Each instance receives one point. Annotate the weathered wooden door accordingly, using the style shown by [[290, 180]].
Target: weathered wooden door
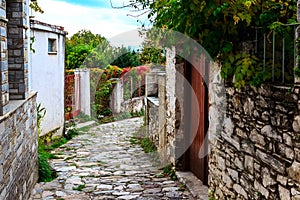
[[195, 163]]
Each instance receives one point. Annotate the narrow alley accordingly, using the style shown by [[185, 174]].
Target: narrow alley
[[103, 164]]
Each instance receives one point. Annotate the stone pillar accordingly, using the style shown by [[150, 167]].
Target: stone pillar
[[162, 109], [84, 90], [4, 61], [18, 23], [117, 97], [171, 102], [151, 85], [162, 145]]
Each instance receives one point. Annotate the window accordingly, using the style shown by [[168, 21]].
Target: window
[[52, 46]]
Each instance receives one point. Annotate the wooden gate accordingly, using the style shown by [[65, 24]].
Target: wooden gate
[[192, 161]]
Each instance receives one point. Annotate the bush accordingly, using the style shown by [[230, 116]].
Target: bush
[[101, 88], [45, 172]]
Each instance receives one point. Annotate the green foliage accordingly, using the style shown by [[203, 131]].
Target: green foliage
[[151, 55], [211, 195], [35, 6], [182, 187], [297, 71], [103, 82], [45, 145], [41, 112], [32, 40], [79, 188], [44, 170], [222, 26], [169, 170], [148, 145], [123, 115], [259, 195], [104, 86], [86, 48], [84, 118], [71, 133], [245, 68], [46, 174], [127, 58]]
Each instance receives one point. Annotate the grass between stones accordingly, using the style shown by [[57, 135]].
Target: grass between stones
[[121, 116], [79, 188], [169, 170], [45, 146], [211, 194], [147, 145]]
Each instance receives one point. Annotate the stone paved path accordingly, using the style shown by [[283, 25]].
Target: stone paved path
[[103, 164]]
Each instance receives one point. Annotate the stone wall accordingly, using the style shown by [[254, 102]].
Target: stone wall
[[167, 116], [18, 149], [4, 60], [151, 80], [84, 96], [133, 105], [17, 35], [255, 153], [152, 120]]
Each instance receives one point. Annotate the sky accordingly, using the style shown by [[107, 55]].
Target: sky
[[95, 15]]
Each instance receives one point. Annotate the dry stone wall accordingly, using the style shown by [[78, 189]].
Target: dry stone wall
[[152, 120], [18, 150], [255, 152]]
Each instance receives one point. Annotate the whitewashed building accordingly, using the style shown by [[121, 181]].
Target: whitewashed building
[[47, 71]]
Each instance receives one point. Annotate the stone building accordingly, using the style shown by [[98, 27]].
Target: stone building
[[18, 110]]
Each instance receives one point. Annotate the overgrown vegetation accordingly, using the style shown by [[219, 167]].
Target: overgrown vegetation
[[46, 144], [79, 188], [85, 49], [211, 195], [147, 145], [44, 170], [46, 174], [225, 28], [103, 83], [169, 170]]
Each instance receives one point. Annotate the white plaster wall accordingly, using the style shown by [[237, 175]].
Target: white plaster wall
[[47, 78], [84, 91]]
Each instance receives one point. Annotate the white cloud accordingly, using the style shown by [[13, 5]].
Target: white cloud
[[131, 39], [105, 21]]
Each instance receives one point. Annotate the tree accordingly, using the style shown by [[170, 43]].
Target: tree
[[86, 48], [222, 26], [127, 58], [151, 54], [86, 37], [35, 6]]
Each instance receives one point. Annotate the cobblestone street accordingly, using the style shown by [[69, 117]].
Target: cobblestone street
[[103, 164]]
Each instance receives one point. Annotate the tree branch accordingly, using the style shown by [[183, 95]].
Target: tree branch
[[123, 6], [140, 14]]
